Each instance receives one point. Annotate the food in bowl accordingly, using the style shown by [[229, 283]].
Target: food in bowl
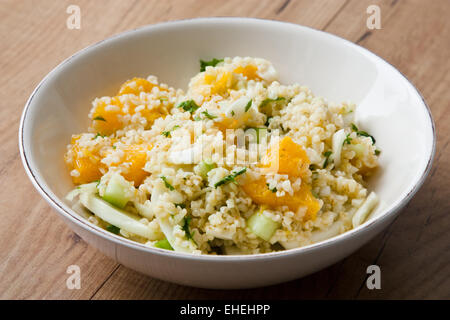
[[239, 164]]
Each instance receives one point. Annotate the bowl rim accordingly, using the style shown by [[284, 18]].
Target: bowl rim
[[70, 214]]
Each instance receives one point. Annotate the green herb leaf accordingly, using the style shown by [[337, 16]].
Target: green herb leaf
[[189, 105], [377, 151], [209, 116], [273, 190], [98, 135], [167, 133], [230, 178], [347, 140], [362, 133], [113, 229], [180, 205], [232, 113], [249, 105], [268, 100], [268, 121], [99, 118], [212, 63], [167, 184], [327, 158], [185, 227], [163, 244]]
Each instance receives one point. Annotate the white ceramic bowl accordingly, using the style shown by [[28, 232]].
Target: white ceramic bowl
[[389, 107]]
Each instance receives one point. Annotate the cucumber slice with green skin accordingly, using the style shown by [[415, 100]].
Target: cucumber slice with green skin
[[262, 226], [163, 244], [204, 167], [116, 191], [117, 217]]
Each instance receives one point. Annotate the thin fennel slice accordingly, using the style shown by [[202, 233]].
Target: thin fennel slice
[[337, 143], [363, 212], [168, 228], [84, 188], [117, 217]]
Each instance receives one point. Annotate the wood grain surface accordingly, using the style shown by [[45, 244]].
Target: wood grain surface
[[36, 247]]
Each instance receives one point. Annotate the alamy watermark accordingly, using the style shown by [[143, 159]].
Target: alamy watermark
[[74, 280], [374, 279], [74, 19], [374, 19]]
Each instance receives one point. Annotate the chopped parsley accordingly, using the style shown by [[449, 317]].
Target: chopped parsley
[[167, 133], [232, 113], [230, 178], [209, 116], [185, 228], [268, 121], [362, 133], [327, 158], [268, 100], [113, 229], [167, 184], [347, 140], [180, 205], [249, 105], [99, 118], [273, 189], [98, 135], [377, 151], [189, 106], [211, 63]]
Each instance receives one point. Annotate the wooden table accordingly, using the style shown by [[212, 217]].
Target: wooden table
[[37, 247]]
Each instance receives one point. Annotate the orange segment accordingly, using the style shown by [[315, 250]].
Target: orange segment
[[85, 161], [107, 117], [249, 71], [261, 194], [293, 161], [135, 157], [220, 83], [292, 158], [106, 120], [136, 86]]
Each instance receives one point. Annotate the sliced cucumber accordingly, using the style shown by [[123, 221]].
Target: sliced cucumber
[[204, 167], [262, 226], [163, 244], [117, 191], [117, 217]]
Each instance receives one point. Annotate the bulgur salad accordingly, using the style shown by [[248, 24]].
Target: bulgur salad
[[238, 164]]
